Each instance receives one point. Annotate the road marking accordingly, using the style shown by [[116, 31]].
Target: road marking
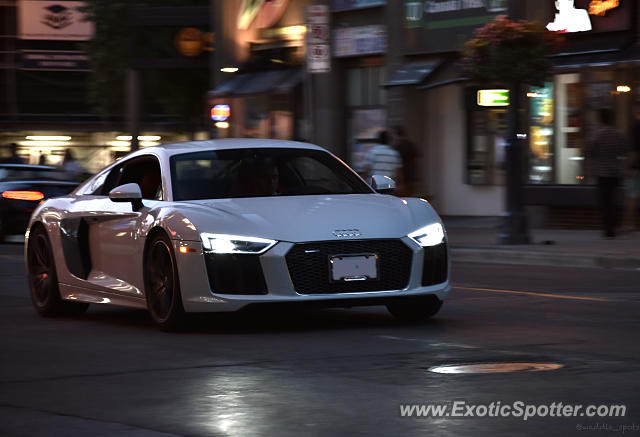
[[533, 293], [428, 342]]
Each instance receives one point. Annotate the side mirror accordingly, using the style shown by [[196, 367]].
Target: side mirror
[[127, 193], [383, 184]]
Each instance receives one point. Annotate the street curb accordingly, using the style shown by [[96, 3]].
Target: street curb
[[560, 259]]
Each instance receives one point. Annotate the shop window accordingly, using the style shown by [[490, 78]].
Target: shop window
[[541, 115], [364, 86], [570, 135], [486, 142], [365, 99]]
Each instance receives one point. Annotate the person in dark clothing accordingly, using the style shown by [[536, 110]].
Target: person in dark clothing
[[14, 158], [408, 153], [606, 152]]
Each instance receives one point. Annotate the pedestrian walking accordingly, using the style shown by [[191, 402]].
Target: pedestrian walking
[[632, 177], [606, 152], [71, 166], [408, 153], [13, 157], [384, 160]]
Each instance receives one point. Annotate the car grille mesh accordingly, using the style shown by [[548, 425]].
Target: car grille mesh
[[235, 274], [308, 265], [435, 265]]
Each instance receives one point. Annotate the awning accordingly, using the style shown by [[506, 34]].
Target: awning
[[608, 52], [450, 73], [264, 82], [413, 73]]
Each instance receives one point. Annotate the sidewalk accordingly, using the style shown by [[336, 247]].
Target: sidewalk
[[475, 239]]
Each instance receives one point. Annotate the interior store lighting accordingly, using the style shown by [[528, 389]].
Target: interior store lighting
[[140, 137], [48, 137], [44, 143]]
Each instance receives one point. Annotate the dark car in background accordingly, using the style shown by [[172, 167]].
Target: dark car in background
[[23, 186]]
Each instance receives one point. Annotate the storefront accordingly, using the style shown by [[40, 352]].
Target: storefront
[[45, 105], [462, 137], [459, 171], [359, 46], [597, 68], [260, 71]]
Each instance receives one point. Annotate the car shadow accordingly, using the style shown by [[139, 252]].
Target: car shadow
[[261, 321]]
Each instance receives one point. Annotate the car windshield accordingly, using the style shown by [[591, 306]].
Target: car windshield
[[261, 172]]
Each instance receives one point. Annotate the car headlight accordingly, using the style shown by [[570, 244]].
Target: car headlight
[[223, 243], [430, 235]]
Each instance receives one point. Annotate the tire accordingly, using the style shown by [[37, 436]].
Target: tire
[[415, 308], [43, 280], [162, 285]]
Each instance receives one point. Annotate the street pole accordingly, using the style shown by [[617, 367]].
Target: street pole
[[133, 106], [514, 228], [514, 219]]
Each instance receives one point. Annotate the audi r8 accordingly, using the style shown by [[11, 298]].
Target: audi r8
[[222, 225]]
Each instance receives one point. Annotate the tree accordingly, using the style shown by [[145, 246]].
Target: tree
[[176, 93], [507, 51], [511, 53]]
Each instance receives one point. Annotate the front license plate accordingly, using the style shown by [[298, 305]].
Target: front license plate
[[354, 268]]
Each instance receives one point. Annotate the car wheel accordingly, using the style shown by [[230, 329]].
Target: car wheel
[[162, 285], [43, 280], [415, 308]]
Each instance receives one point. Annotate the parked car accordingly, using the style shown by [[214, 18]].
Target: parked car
[[22, 188], [215, 226]]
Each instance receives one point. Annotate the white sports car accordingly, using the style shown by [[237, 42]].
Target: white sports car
[[220, 225]]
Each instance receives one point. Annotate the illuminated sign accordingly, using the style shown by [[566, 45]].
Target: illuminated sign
[[600, 7], [569, 19], [264, 13], [493, 97], [220, 112], [59, 20]]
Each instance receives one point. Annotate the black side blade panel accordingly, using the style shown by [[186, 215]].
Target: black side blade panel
[[74, 233]]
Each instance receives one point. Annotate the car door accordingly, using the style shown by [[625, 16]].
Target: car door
[[109, 232]]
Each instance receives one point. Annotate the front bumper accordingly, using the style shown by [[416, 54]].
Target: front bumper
[[197, 294]]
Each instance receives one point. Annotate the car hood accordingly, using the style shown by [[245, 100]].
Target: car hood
[[311, 218]]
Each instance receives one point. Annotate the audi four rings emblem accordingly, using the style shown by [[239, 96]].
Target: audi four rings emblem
[[341, 233]]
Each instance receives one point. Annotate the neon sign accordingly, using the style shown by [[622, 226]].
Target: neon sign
[[569, 19], [220, 112], [493, 97], [600, 7]]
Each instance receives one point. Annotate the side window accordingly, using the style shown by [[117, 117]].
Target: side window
[[111, 181], [95, 186], [144, 171]]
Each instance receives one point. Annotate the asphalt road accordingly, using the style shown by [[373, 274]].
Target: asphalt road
[[330, 372]]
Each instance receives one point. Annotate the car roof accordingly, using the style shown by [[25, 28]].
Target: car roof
[[168, 150]]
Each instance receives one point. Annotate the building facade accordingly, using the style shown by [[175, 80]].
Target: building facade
[[45, 104], [462, 141]]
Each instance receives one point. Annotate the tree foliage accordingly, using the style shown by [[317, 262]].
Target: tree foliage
[[176, 93], [507, 51], [109, 54]]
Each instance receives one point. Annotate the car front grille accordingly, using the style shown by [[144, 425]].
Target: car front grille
[[308, 265], [435, 265], [235, 274]]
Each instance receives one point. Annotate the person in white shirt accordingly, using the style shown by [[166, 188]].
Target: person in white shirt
[[383, 159]]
